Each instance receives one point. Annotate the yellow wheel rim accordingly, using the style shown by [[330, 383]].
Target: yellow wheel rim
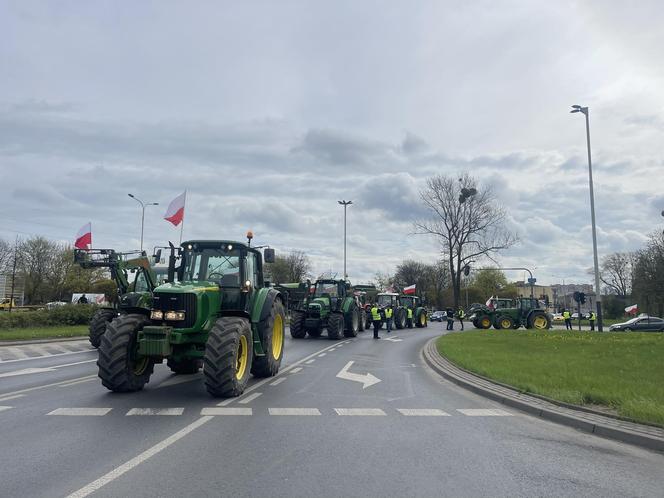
[[277, 337], [485, 323], [141, 365], [242, 358], [505, 324], [539, 322], [423, 319]]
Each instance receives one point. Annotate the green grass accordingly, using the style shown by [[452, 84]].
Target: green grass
[[623, 371], [52, 332]]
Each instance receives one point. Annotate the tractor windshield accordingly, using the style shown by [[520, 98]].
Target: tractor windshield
[[384, 300], [406, 301], [326, 288], [218, 265]]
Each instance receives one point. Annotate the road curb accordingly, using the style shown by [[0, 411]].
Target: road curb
[[628, 432], [42, 341]]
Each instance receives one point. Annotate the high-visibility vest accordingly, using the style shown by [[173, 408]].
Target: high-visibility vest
[[410, 312], [592, 316], [566, 315], [388, 313], [461, 313], [375, 314]]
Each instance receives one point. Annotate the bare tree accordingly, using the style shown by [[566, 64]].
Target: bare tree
[[293, 267], [467, 221], [6, 256], [616, 272]]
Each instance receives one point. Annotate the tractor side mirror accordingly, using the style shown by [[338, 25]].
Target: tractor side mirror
[[268, 255], [156, 258]]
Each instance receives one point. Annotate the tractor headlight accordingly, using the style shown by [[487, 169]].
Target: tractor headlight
[[156, 315], [175, 316]]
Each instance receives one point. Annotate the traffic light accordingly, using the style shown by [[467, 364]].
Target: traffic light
[[466, 270], [582, 297], [577, 296]]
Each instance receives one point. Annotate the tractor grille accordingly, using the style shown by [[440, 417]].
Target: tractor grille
[[177, 302]]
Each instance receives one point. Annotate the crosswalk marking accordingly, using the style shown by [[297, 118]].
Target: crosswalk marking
[[249, 398], [422, 412], [360, 412], [3, 408], [226, 411], [7, 398], [83, 412], [484, 412], [296, 370], [309, 362], [76, 382], [293, 411], [321, 355], [155, 411], [278, 381]]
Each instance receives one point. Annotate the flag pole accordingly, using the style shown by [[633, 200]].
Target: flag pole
[[183, 215]]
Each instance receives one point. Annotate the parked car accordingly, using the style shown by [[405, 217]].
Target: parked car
[[437, 316], [640, 324], [575, 316], [557, 317]]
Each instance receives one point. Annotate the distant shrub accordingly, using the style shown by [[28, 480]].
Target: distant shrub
[[71, 314]]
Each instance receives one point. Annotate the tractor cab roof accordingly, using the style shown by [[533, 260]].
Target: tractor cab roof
[[191, 244], [388, 294]]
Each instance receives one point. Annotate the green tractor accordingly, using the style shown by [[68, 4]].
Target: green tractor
[[522, 312], [330, 305], [391, 299], [219, 313], [135, 281], [420, 318]]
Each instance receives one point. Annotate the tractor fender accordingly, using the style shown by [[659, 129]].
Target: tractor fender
[[347, 304], [264, 304]]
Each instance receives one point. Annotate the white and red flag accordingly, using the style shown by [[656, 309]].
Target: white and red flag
[[175, 211], [410, 289], [632, 310], [84, 237], [489, 303]]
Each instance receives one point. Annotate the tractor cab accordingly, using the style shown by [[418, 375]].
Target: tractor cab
[[385, 299]]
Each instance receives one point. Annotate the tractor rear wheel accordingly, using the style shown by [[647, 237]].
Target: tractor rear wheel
[[368, 323], [273, 333], [98, 323], [228, 357], [187, 366], [352, 320], [335, 326], [121, 369], [297, 330], [538, 320], [484, 322], [400, 318], [505, 322], [363, 319], [421, 321]]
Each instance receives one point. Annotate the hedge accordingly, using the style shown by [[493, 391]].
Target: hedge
[[72, 314]]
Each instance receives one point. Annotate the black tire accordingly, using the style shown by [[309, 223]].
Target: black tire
[[400, 318], [484, 322], [225, 375], [421, 319], [273, 333], [476, 323], [335, 326], [187, 366], [297, 330], [120, 370], [539, 320], [369, 322], [98, 323], [504, 322], [352, 320], [363, 320]]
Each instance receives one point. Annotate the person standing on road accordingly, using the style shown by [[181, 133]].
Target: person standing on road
[[461, 315], [388, 318], [409, 317], [592, 319], [450, 318], [375, 317], [568, 320]]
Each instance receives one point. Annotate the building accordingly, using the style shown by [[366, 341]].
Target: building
[[558, 297], [6, 288]]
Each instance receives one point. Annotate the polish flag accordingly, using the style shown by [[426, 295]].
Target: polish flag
[[175, 211], [84, 237], [632, 310], [409, 290], [489, 303]]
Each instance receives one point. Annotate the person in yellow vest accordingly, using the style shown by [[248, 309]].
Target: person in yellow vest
[[409, 317], [461, 315], [376, 318], [592, 319], [388, 318], [568, 319]]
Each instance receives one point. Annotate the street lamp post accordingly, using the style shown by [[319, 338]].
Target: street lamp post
[[345, 204], [143, 206], [598, 292]]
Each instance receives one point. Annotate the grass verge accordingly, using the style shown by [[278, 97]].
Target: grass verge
[[623, 371], [53, 332]]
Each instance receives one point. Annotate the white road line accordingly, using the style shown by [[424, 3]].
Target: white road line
[[278, 381], [293, 411], [250, 398], [296, 370], [77, 382], [2, 362], [423, 412], [72, 364], [360, 412], [226, 411], [321, 355], [134, 462], [484, 412], [3, 396], [81, 412], [179, 379], [309, 362], [7, 398], [3, 408], [18, 352], [155, 411]]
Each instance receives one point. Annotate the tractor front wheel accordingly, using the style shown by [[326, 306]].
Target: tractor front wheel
[[538, 320], [297, 330], [421, 319], [273, 333], [188, 366], [98, 323], [228, 357], [335, 326], [121, 368], [484, 322], [505, 322], [400, 318]]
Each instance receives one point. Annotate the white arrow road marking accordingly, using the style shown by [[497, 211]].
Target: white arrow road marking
[[27, 371], [3, 408], [393, 339], [367, 379]]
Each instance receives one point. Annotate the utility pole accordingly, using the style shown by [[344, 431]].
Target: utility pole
[[11, 296], [143, 206], [345, 204]]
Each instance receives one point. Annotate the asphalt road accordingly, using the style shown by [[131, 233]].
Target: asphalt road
[[314, 430]]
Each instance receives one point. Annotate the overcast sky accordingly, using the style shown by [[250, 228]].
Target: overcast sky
[[270, 112]]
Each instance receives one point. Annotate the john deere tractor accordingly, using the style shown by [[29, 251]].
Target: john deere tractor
[[521, 312], [330, 305], [419, 312], [135, 281], [219, 313]]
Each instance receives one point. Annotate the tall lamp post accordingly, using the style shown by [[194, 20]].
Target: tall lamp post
[[598, 292], [345, 204], [143, 206]]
